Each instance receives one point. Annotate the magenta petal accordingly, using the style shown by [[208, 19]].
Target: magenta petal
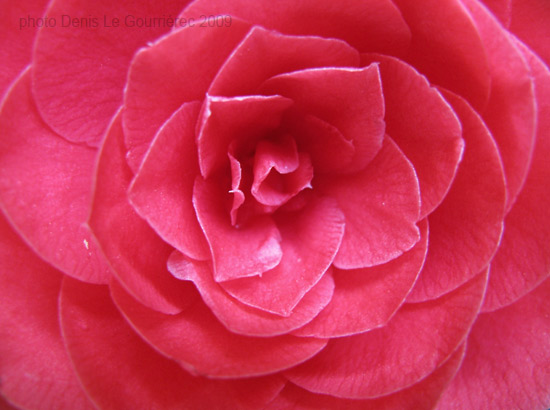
[[177, 69], [377, 24], [203, 346], [162, 190], [529, 22], [119, 370], [32, 346], [237, 251], [367, 298], [263, 54], [327, 92], [506, 363], [448, 49], [418, 339], [423, 395], [424, 126], [246, 320], [381, 205], [465, 229], [238, 120], [523, 258], [45, 188], [79, 70], [310, 239], [136, 253], [511, 112]]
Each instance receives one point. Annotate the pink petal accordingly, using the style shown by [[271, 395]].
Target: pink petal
[[523, 258], [79, 70], [448, 50], [203, 346], [238, 194], [367, 298], [238, 120], [506, 364], [120, 371], [465, 229], [423, 125], [418, 339], [162, 190], [263, 54], [423, 395], [502, 9], [237, 251], [348, 98], [310, 239], [35, 368], [242, 319], [529, 21], [511, 112], [177, 69], [18, 22], [365, 24], [381, 205], [45, 188], [135, 252]]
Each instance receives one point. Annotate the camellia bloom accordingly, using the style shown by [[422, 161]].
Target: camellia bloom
[[282, 205]]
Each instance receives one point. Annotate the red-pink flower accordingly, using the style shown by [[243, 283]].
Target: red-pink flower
[[290, 204]]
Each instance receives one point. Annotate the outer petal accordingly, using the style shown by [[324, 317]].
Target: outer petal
[[203, 346], [310, 240], [508, 359], [45, 188], [35, 370], [246, 320], [465, 229], [79, 69], [448, 50], [529, 21], [381, 205], [511, 112], [423, 125], [120, 371], [137, 255], [178, 68], [350, 99], [423, 395], [418, 339], [372, 25], [523, 257], [367, 298], [162, 191]]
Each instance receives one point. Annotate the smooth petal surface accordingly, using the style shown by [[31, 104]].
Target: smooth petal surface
[[237, 251], [203, 346], [418, 339], [465, 229], [529, 21], [135, 252], [162, 190], [523, 257], [381, 206], [511, 112], [119, 370], [45, 188], [448, 50], [35, 370], [79, 69], [176, 69], [327, 93], [424, 126], [507, 363], [265, 53], [310, 240], [246, 320], [367, 298], [423, 395], [378, 25]]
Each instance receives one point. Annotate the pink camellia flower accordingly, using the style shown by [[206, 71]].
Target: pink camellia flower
[[238, 204]]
